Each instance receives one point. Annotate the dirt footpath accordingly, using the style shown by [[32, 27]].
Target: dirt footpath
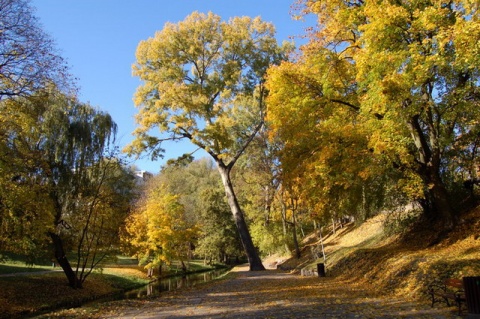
[[273, 294]]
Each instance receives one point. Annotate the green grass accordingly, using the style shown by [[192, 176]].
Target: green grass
[[122, 282], [13, 268], [124, 260]]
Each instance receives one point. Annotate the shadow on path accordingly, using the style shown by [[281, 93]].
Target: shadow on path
[[273, 294]]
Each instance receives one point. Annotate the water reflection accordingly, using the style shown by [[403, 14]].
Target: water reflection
[[173, 283]]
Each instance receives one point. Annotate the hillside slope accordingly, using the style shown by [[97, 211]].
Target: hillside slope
[[396, 264]]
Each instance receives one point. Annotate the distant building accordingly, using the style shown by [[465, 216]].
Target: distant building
[[142, 176]]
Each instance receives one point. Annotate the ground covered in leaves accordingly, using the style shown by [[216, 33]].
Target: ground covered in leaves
[[401, 264], [267, 294], [21, 295]]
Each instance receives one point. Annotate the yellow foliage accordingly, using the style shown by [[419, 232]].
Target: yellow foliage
[[380, 84], [195, 74], [158, 229]]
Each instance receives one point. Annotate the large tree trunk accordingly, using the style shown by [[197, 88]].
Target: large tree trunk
[[252, 255], [428, 159], [63, 261], [439, 196]]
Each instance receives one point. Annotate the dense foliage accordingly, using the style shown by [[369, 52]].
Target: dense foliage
[[182, 215], [64, 192], [203, 81], [385, 95], [378, 111]]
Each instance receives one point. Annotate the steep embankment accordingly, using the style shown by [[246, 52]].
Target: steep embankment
[[398, 264]]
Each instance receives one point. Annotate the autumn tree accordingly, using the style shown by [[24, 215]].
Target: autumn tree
[[61, 179], [203, 80], [159, 230], [326, 163], [28, 59], [406, 73], [199, 190], [26, 211]]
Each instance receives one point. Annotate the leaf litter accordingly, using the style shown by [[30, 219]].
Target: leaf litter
[[267, 294]]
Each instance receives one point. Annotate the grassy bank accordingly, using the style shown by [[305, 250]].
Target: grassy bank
[[401, 264], [24, 295], [34, 291]]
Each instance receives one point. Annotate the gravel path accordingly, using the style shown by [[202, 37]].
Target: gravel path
[[273, 294]]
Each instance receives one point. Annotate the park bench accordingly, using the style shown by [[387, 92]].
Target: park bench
[[450, 289]]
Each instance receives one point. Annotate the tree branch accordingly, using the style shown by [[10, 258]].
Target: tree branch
[[245, 145], [354, 107], [189, 136]]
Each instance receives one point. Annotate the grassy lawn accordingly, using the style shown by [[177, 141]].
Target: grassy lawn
[[13, 268], [12, 264]]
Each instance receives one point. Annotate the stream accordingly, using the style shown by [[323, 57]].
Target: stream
[[155, 288]]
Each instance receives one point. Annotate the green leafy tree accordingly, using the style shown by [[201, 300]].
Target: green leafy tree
[[57, 152], [257, 178], [77, 138], [203, 80], [218, 239], [201, 193]]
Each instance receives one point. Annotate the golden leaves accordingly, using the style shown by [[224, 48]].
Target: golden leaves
[[202, 81], [158, 229]]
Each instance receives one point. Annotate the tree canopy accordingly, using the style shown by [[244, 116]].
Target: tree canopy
[[401, 79], [203, 80], [61, 179], [28, 58]]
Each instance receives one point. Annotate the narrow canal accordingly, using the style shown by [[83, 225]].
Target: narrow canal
[[173, 283]]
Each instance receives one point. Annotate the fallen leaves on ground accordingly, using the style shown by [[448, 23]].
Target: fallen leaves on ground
[[21, 296], [268, 294]]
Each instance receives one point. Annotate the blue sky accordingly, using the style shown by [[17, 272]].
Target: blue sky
[[98, 38]]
